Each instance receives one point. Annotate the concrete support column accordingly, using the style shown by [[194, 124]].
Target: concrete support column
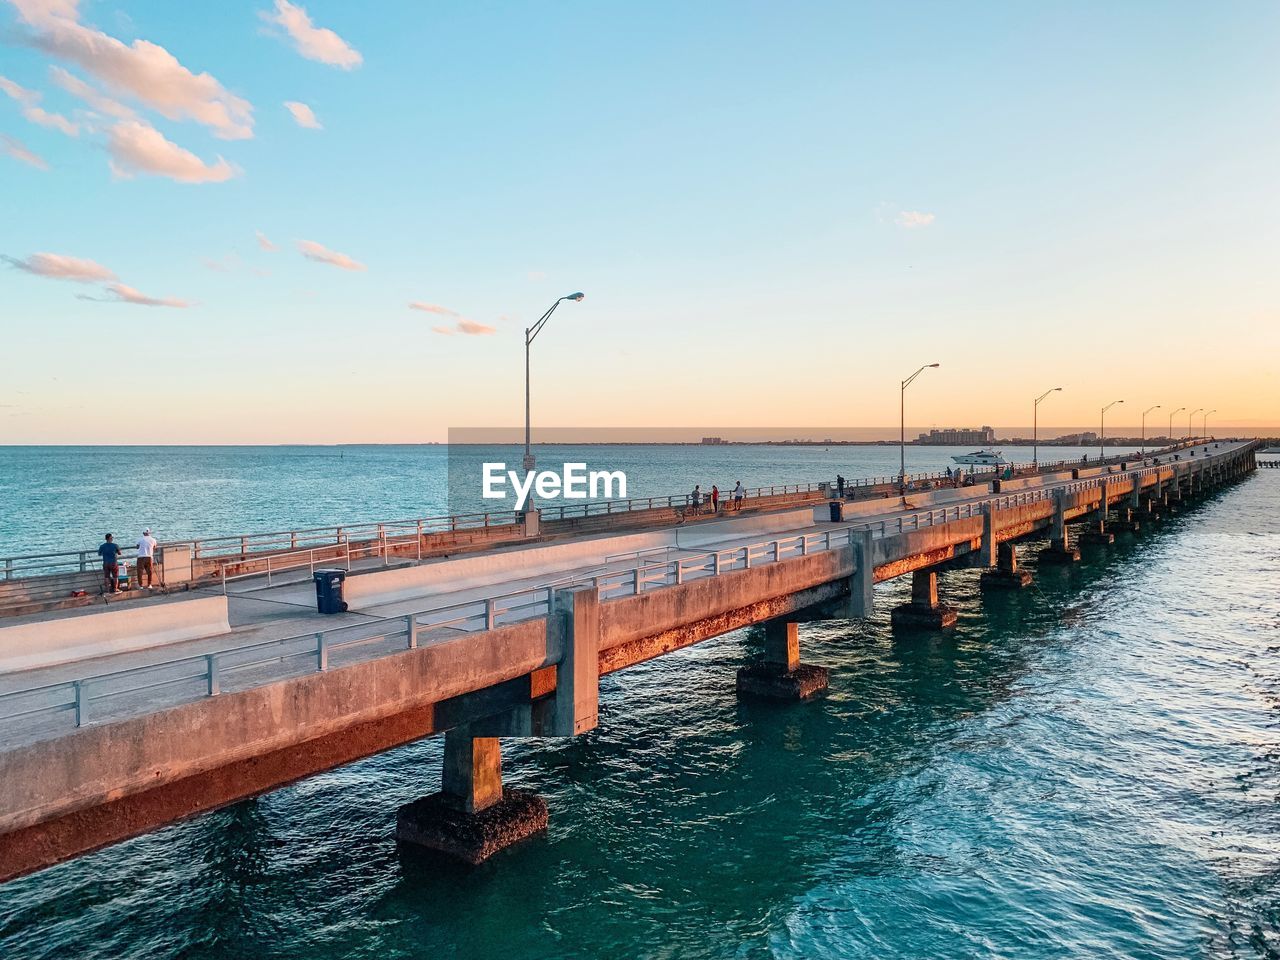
[[575, 707], [474, 815], [1006, 575], [924, 612], [862, 582], [780, 675], [1060, 548], [1097, 531], [987, 551]]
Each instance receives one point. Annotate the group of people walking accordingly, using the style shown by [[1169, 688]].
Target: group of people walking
[[697, 499], [144, 566]]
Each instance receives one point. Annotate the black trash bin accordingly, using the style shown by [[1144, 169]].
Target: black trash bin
[[329, 586], [837, 513]]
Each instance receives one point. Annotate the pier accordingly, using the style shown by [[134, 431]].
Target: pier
[[119, 719]]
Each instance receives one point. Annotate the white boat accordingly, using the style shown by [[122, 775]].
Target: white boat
[[984, 458]]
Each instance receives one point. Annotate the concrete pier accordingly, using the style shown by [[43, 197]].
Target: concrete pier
[[1005, 575], [924, 612], [780, 675], [492, 643], [473, 816]]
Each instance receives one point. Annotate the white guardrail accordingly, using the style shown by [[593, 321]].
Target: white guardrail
[[74, 703]]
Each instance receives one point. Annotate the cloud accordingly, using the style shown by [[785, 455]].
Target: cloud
[[225, 264], [433, 308], [467, 327], [59, 267], [18, 92], [263, 242], [96, 99], [320, 254], [911, 219], [36, 114], [314, 43], [142, 69], [18, 150], [137, 147], [303, 115], [119, 293]]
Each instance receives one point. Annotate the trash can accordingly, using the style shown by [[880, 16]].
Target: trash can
[[329, 586], [837, 511]]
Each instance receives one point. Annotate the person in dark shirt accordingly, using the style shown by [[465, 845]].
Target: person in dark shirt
[[110, 553]]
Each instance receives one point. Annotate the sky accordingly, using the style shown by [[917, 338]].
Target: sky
[[269, 222]]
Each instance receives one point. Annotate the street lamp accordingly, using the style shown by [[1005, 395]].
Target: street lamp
[[902, 425], [1102, 434], [1144, 428], [530, 334], [1189, 416], [1204, 424], [1171, 416], [1035, 426]]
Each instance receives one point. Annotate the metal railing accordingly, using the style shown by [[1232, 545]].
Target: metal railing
[[191, 678]]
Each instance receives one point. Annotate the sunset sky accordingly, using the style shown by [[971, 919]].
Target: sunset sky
[[329, 222]]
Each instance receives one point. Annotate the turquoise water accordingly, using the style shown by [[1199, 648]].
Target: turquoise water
[[1087, 769]]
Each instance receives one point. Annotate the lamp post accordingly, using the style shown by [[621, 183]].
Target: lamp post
[[902, 425], [1204, 424], [1189, 417], [1035, 427], [1144, 428], [1171, 416], [530, 334], [1102, 430]]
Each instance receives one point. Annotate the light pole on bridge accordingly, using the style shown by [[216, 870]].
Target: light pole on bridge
[[530, 334], [1204, 424], [1035, 427], [902, 425], [1144, 428], [1189, 418], [1171, 416], [1102, 430]]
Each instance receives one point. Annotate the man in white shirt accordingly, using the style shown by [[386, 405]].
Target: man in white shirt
[[146, 551]]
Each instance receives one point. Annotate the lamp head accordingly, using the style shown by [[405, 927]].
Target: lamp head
[[575, 297], [935, 365]]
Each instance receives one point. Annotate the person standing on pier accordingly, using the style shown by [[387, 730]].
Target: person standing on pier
[[146, 551], [695, 499], [715, 499], [840, 485], [738, 494], [110, 553]]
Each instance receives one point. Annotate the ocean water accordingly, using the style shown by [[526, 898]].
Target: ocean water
[[65, 498], [1089, 768]]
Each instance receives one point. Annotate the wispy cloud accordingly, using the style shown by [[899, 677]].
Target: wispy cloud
[[18, 150], [466, 327], [303, 115], [119, 293], [142, 69], [29, 99], [96, 99], [432, 308], [137, 147], [913, 219], [57, 266], [222, 264], [321, 254], [314, 43], [263, 242]]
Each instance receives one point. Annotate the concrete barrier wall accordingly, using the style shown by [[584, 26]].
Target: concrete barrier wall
[[387, 586], [133, 627]]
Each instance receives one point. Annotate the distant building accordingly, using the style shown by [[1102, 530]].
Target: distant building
[[712, 441], [959, 437]]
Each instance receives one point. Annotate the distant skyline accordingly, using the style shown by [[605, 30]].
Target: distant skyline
[[317, 222]]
